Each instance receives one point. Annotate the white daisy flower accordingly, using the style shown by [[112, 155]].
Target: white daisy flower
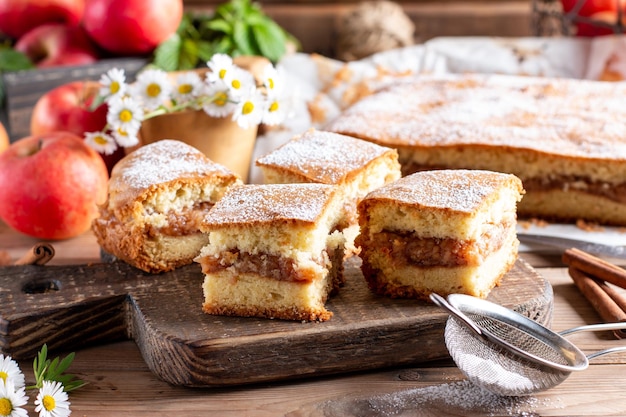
[[52, 401], [101, 142], [272, 80], [249, 111], [125, 113], [12, 400], [10, 371], [188, 87], [153, 88], [219, 103], [275, 111], [113, 83], [220, 66], [125, 138], [240, 81]]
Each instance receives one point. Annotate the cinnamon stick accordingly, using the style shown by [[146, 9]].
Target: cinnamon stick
[[5, 259], [618, 298], [595, 292], [39, 254], [594, 266]]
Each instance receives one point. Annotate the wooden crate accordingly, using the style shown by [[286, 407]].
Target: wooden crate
[[24, 88]]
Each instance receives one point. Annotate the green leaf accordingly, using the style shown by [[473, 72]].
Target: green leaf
[[167, 54], [60, 367], [187, 26], [205, 51], [270, 40], [70, 382], [47, 370], [189, 56], [51, 370], [39, 364], [241, 36], [73, 385], [12, 60], [96, 102], [226, 11], [238, 7], [220, 25], [256, 19], [251, 9], [224, 46], [236, 27]]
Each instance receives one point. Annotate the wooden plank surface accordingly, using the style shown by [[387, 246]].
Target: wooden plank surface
[[120, 383], [90, 304]]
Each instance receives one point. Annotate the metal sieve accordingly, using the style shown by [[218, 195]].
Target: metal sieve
[[507, 353]]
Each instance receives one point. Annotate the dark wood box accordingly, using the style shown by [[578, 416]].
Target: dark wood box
[[24, 88]]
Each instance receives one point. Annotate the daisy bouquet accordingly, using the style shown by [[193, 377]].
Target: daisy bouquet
[[225, 90], [51, 382]]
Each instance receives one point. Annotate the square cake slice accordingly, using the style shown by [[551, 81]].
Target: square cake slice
[[274, 251], [445, 231], [157, 197], [354, 165]]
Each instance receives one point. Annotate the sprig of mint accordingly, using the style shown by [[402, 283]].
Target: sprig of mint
[[53, 370], [236, 28]]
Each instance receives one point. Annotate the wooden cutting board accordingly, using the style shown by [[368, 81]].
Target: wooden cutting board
[[69, 307]]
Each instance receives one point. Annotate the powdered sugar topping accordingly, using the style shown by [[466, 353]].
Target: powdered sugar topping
[[459, 190], [164, 161], [461, 398], [262, 203], [559, 116], [323, 156]]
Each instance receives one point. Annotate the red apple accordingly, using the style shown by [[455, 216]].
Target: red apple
[[131, 27], [588, 7], [68, 107], [608, 17], [56, 44], [597, 10], [51, 185], [20, 16]]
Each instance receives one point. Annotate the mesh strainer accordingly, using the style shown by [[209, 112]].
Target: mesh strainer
[[508, 353]]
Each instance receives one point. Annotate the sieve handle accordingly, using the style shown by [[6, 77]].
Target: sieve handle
[[607, 351], [443, 303], [595, 327]]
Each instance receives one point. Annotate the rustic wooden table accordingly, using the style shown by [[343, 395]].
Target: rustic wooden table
[[120, 383]]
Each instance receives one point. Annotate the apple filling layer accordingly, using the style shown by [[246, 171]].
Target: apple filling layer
[[614, 192], [268, 265], [408, 249], [182, 222]]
